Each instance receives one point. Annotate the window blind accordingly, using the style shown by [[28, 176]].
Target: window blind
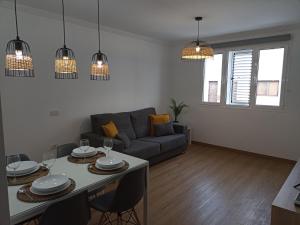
[[241, 76]]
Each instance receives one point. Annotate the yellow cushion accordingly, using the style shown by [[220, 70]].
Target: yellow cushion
[[158, 119], [110, 129]]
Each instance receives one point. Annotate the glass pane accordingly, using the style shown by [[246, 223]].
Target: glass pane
[[269, 77], [212, 79]]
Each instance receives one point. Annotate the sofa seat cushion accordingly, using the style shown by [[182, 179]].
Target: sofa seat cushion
[[143, 149], [141, 122], [122, 121], [167, 143]]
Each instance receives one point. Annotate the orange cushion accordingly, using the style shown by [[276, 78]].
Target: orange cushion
[[158, 119], [110, 129]]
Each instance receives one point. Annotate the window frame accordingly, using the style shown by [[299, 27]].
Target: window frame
[[254, 74]]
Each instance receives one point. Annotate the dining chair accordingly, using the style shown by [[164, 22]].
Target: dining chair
[[23, 157], [123, 200], [65, 149], [71, 211]]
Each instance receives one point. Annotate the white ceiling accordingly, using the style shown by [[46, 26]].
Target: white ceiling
[[173, 19]]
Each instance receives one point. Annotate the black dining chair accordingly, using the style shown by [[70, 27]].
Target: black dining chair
[[23, 157], [65, 149], [72, 211], [123, 200]]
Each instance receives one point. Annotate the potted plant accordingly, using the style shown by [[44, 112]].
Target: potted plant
[[177, 108]]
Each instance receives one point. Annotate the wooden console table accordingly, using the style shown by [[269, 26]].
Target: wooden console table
[[284, 212]]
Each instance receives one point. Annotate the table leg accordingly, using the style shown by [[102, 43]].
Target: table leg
[[146, 198]]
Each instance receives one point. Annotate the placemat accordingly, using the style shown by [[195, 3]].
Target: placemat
[[27, 196], [85, 160], [43, 171], [93, 169]]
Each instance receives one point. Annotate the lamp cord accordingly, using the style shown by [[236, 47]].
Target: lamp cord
[[64, 26], [99, 38], [16, 17], [198, 31]]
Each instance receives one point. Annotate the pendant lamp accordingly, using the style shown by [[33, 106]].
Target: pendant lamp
[[197, 49], [18, 60], [65, 62], [99, 66]]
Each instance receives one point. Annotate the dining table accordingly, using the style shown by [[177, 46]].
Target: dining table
[[23, 211]]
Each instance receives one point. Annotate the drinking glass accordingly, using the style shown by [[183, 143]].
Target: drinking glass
[[49, 158], [84, 144], [13, 162], [108, 145]]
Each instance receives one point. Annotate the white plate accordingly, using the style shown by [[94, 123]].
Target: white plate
[[112, 168], [82, 153], [24, 174], [84, 156], [25, 167], [108, 162], [51, 192], [50, 183]]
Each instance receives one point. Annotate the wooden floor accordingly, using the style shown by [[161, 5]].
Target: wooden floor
[[214, 186]]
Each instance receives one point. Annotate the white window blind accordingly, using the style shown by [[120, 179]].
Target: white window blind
[[241, 69]]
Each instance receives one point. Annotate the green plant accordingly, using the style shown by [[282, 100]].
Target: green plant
[[177, 108]]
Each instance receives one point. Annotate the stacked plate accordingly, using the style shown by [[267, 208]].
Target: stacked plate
[[109, 163], [24, 168], [84, 152], [49, 185]]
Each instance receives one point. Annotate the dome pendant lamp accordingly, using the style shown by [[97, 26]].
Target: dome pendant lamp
[[65, 62], [99, 66], [18, 60], [197, 50]]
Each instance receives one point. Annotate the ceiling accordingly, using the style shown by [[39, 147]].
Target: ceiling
[[172, 20]]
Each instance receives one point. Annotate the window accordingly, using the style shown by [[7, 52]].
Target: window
[[254, 76], [269, 76], [212, 79], [239, 71]]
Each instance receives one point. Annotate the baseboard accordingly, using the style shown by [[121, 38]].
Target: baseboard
[[242, 151]]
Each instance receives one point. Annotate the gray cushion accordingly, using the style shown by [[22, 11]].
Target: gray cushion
[[163, 129], [169, 142], [140, 121], [124, 138], [144, 150], [122, 121]]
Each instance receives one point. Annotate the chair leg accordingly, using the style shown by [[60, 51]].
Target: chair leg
[[101, 218], [136, 216]]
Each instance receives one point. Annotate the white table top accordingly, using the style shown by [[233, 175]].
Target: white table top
[[20, 211]]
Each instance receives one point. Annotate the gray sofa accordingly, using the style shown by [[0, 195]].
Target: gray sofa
[[136, 125]]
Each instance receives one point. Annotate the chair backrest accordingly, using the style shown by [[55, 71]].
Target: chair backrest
[[71, 211], [130, 191], [23, 157], [65, 149]]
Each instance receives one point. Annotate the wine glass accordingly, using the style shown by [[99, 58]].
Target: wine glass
[[84, 145], [13, 162], [49, 158], [108, 145]]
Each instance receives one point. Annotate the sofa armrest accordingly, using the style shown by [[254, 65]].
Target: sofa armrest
[[180, 128], [96, 141]]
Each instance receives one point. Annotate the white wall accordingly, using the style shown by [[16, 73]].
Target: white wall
[[138, 79], [270, 132]]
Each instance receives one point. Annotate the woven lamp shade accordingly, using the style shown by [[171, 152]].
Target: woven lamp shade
[[65, 64], [18, 60], [197, 50], [99, 67]]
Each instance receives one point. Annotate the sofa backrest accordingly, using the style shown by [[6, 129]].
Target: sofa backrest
[[122, 121], [141, 122]]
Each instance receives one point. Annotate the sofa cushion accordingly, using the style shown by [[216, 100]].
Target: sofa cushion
[[143, 149], [110, 129], [124, 138], [163, 129], [122, 121], [167, 143], [141, 122]]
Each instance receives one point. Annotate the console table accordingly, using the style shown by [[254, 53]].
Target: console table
[[284, 212]]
